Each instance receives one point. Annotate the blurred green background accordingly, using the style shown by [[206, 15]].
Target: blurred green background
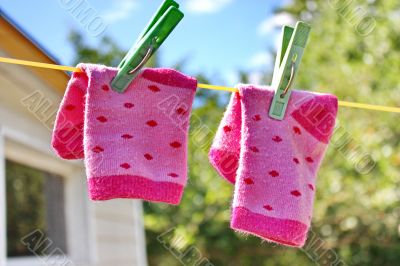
[[354, 52]]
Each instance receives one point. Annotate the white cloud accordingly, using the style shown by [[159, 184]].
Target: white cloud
[[256, 78], [287, 2], [231, 77], [120, 10], [276, 21], [206, 6], [260, 60], [277, 39]]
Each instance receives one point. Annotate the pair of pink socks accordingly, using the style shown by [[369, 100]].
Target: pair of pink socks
[[135, 146], [273, 164], [135, 143]]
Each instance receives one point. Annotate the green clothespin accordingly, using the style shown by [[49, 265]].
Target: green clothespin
[[287, 33], [156, 32], [287, 63]]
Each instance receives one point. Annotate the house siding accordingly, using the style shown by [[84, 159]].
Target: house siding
[[116, 231]]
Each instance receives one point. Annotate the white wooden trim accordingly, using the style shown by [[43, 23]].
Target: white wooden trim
[[3, 206], [38, 261], [91, 231], [24, 154], [140, 238], [78, 229], [24, 261], [21, 146]]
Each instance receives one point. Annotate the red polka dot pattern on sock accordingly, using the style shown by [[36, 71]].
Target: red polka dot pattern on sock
[[268, 207], [105, 87], [277, 139], [152, 123], [227, 129], [126, 136], [256, 118], [148, 156], [295, 193], [309, 160], [180, 111], [175, 144], [154, 88], [97, 149], [254, 149], [125, 165], [273, 173], [249, 181], [129, 105], [297, 130], [102, 119]]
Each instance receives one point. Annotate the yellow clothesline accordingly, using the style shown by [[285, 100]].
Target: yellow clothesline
[[203, 86]]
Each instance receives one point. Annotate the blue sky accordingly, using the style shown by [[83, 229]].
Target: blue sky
[[216, 37]]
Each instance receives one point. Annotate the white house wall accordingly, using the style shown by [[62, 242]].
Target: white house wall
[[3, 231], [116, 233]]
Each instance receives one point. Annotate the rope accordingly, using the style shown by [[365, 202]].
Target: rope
[[202, 86]]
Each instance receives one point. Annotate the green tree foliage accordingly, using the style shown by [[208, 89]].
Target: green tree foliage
[[357, 211], [106, 53], [354, 53]]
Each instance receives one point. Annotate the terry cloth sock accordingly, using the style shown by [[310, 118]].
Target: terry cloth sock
[[134, 143], [225, 150], [278, 161]]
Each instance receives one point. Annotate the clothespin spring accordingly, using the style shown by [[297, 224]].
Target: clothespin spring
[[291, 79], [145, 58]]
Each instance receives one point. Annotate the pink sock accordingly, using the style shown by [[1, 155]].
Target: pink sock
[[279, 160], [135, 143], [225, 150]]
